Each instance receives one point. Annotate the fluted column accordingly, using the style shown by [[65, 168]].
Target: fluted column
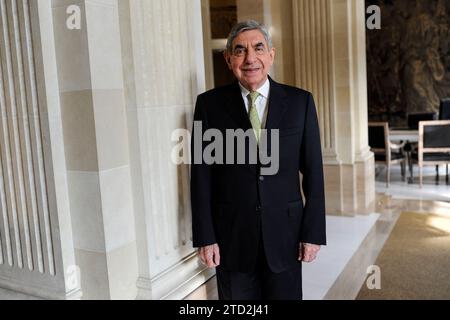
[[164, 71], [36, 248], [315, 66], [330, 62]]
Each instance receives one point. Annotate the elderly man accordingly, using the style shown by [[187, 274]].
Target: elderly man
[[255, 229]]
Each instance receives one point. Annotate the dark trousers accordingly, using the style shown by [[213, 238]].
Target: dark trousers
[[260, 284]]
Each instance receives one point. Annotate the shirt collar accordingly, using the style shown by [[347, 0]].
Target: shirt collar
[[263, 90]]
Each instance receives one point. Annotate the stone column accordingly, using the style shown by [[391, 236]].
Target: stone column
[[282, 33], [330, 62], [36, 247], [364, 159], [97, 150], [162, 47]]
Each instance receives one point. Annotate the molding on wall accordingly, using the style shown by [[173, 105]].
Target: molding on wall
[[37, 291], [175, 283]]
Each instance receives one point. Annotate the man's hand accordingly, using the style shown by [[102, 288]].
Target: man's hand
[[308, 252], [210, 255]]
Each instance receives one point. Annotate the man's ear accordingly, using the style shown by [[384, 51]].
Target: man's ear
[[227, 58]]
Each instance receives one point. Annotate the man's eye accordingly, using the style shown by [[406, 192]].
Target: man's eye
[[259, 49], [239, 51]]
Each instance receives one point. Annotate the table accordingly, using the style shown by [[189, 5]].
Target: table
[[404, 135]]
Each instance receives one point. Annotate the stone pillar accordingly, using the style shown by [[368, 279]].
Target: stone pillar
[[283, 41], [162, 49], [97, 150], [364, 158], [36, 247], [330, 62]]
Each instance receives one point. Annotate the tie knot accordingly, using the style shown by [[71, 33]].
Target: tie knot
[[253, 96]]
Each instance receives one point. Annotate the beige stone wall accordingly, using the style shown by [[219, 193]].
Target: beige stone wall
[[164, 73], [97, 151], [128, 78]]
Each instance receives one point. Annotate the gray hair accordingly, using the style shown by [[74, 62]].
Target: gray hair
[[247, 26]]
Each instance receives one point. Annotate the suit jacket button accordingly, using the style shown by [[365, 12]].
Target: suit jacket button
[[261, 178]]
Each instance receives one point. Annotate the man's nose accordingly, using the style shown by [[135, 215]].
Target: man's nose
[[250, 57]]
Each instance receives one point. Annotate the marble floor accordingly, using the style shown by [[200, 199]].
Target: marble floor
[[390, 203], [345, 236], [399, 189]]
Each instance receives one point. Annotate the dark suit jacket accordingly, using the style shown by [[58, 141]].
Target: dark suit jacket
[[232, 203]]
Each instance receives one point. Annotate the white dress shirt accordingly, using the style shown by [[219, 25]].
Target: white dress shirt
[[261, 102]]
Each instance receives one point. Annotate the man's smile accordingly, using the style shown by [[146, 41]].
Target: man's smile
[[250, 71]]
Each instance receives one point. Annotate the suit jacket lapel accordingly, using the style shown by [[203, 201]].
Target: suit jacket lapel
[[236, 108], [277, 105]]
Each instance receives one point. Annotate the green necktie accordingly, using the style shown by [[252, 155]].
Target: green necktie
[[253, 114]]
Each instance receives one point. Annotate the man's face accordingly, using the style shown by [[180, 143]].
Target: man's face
[[250, 59]]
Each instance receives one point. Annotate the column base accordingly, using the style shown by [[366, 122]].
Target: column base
[[350, 188], [176, 283], [14, 290], [365, 170]]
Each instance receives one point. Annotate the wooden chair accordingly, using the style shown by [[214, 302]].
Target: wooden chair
[[386, 152], [413, 124], [434, 145]]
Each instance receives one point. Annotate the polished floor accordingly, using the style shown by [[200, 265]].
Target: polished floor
[[345, 237], [434, 190]]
